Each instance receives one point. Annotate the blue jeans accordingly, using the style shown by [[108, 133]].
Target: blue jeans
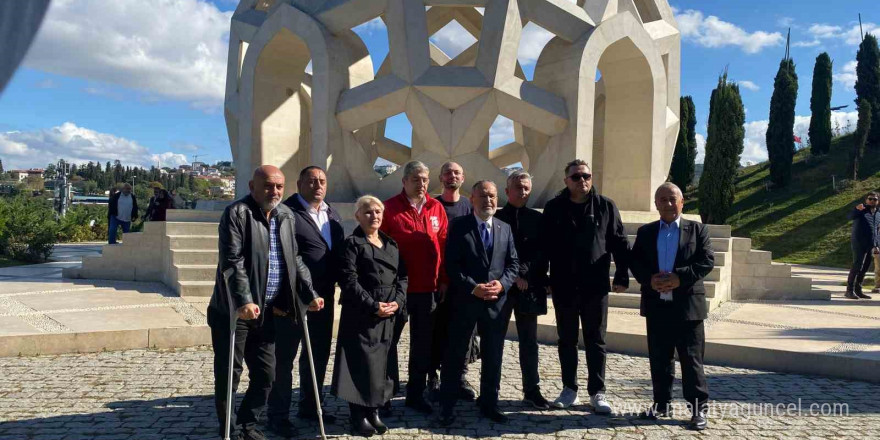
[[114, 224]]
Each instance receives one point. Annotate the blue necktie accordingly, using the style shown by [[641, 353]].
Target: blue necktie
[[487, 243]]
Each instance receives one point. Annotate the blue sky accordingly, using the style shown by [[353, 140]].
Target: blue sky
[[103, 81]]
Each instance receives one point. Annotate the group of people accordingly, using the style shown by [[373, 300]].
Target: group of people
[[122, 208], [455, 269]]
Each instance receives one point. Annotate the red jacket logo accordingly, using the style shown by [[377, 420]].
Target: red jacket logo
[[435, 223]]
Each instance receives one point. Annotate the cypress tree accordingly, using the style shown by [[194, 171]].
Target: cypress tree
[[820, 106], [692, 137], [780, 131], [678, 172], [863, 131], [724, 145], [868, 84], [1, 166]]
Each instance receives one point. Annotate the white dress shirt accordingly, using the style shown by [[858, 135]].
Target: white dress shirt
[[320, 217]]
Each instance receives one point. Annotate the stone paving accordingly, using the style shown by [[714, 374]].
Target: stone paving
[[151, 394]]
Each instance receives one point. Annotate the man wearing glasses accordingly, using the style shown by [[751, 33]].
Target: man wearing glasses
[[865, 243], [581, 230]]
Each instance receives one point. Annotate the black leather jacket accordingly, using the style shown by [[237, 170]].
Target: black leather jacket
[[243, 267]]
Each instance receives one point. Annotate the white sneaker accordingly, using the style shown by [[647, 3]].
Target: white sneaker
[[599, 404], [567, 398]]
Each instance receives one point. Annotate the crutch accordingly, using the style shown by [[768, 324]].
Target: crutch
[[233, 323], [305, 324]]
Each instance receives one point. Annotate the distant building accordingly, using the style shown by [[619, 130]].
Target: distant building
[[22, 175], [510, 170], [385, 170]]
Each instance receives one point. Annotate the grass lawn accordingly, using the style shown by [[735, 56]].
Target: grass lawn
[[806, 222]]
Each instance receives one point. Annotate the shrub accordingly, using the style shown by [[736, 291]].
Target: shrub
[[29, 230]]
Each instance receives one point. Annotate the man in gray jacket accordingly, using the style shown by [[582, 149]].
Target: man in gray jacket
[[259, 271]]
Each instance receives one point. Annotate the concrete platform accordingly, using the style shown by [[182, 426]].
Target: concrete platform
[[42, 313]]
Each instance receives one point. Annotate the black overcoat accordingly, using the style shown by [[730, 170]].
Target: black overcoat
[[369, 275]]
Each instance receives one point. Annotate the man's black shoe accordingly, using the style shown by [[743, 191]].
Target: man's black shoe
[[536, 399], [418, 403], [252, 434], [313, 416], [655, 412], [494, 414], [862, 295], [850, 295], [433, 389], [373, 418], [447, 417], [385, 410], [466, 392], [282, 427], [698, 422]]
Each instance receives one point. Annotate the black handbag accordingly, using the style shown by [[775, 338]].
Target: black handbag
[[532, 302]]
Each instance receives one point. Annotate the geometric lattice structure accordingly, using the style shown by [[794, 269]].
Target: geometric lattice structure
[[605, 89]]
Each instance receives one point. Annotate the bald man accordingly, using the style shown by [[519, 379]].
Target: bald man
[[669, 259], [260, 280]]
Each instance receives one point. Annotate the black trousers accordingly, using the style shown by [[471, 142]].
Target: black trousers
[[527, 334], [288, 338], [591, 312], [420, 309], [470, 312], [254, 344], [442, 317], [665, 337], [861, 262]]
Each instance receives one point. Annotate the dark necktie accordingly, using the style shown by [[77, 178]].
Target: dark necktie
[[487, 242]]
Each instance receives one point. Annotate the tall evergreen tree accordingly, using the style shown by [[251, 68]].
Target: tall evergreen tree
[[724, 145], [780, 131], [868, 84], [1, 166], [679, 172], [820, 106], [692, 137], [863, 132]]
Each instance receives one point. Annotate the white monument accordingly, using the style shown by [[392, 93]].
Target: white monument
[[605, 89]]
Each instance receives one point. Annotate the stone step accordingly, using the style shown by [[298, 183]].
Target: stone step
[[191, 228], [715, 231], [194, 241], [195, 288], [633, 301], [194, 256], [718, 244], [714, 275], [777, 288], [195, 272], [741, 244], [636, 288], [765, 270], [193, 215]]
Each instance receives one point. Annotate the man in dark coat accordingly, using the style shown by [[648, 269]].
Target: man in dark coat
[[481, 263], [670, 258], [318, 231], [865, 242], [259, 270], [581, 230], [123, 217], [528, 297]]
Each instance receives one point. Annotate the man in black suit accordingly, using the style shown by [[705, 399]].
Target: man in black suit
[[482, 266], [670, 258], [865, 243], [318, 232]]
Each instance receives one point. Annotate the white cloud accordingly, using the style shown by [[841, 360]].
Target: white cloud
[[501, 132], [748, 85], [785, 22], [27, 149], [453, 39], [171, 49], [532, 42], [713, 32], [811, 43], [755, 143], [847, 76], [701, 148], [852, 35], [824, 30], [375, 25]]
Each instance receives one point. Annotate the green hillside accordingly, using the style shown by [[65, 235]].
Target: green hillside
[[805, 223]]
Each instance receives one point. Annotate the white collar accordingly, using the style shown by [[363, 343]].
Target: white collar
[[481, 221], [305, 204]]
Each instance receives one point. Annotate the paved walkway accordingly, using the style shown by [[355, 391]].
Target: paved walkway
[[143, 394]]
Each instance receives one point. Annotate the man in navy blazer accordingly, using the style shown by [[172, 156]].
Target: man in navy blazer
[[669, 259], [482, 265], [318, 233]]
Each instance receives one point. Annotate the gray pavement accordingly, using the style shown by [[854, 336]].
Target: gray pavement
[[152, 394]]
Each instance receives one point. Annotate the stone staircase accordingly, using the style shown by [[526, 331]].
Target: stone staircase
[[182, 254]]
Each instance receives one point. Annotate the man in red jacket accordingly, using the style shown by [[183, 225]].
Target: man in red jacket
[[418, 224]]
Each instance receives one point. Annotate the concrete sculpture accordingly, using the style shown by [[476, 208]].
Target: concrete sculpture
[[605, 89]]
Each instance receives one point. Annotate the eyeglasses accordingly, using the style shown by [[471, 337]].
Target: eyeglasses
[[579, 177], [873, 199]]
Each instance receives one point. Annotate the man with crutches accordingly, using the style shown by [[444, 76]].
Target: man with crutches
[[259, 271]]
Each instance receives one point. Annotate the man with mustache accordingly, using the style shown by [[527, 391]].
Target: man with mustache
[[482, 265], [318, 232], [259, 270]]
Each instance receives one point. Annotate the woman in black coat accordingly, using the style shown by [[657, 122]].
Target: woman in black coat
[[373, 284]]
